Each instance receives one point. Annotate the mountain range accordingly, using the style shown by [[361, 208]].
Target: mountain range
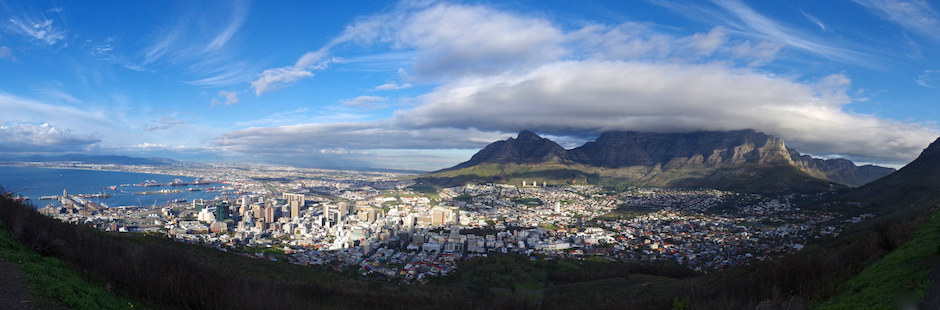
[[95, 159], [743, 160]]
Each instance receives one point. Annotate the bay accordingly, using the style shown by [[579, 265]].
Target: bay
[[36, 182]]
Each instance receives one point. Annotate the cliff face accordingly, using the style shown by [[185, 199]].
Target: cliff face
[[839, 170], [626, 149], [676, 153]]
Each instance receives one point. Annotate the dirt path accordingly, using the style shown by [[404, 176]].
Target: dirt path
[[14, 292]]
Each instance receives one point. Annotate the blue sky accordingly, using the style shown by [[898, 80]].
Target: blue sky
[[425, 84]]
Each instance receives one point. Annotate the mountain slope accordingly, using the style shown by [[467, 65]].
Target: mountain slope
[[741, 160], [527, 148], [915, 186]]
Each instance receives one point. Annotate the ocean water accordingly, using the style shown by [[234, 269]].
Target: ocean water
[[38, 182]]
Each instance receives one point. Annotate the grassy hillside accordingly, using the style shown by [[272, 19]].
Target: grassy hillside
[[898, 280], [52, 279]]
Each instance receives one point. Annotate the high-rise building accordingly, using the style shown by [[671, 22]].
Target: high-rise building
[[343, 208], [296, 203], [257, 210], [269, 214], [295, 208], [221, 211]]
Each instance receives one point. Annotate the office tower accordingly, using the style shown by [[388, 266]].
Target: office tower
[[269, 214], [343, 208], [221, 211], [295, 207]]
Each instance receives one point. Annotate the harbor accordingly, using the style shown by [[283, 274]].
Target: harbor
[[108, 189]]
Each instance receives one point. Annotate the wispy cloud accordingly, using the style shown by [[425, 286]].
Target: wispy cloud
[[814, 20], [237, 18], [6, 53], [914, 15], [745, 21], [365, 102], [392, 86], [188, 41], [165, 123], [25, 110], [36, 28], [925, 79]]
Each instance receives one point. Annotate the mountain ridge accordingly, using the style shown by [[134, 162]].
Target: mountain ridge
[[661, 159]]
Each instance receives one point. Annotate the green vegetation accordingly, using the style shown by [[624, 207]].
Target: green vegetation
[[567, 283], [53, 279], [899, 277], [627, 211]]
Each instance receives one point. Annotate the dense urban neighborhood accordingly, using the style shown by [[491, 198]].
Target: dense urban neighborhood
[[381, 224]]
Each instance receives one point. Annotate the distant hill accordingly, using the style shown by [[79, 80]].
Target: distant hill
[[96, 159], [743, 160]]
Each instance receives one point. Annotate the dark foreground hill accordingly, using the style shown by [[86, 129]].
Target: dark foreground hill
[[912, 188], [742, 160]]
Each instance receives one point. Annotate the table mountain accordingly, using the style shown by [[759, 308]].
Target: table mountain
[[741, 160]]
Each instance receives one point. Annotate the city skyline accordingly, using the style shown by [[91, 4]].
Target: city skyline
[[423, 85]]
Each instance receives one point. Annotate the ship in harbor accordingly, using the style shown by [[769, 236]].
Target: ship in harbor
[[199, 181], [178, 182], [149, 183]]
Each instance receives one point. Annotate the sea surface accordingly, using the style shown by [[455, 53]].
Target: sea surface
[[37, 182]]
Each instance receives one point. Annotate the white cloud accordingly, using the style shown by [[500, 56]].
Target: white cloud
[[497, 73], [573, 97], [29, 138], [37, 28], [296, 139], [814, 20], [230, 97], [272, 79], [392, 86], [465, 40], [914, 15]]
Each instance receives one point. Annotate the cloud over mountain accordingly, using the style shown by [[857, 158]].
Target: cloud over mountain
[[499, 72]]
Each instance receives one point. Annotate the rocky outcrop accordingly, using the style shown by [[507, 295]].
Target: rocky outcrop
[[839, 170]]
